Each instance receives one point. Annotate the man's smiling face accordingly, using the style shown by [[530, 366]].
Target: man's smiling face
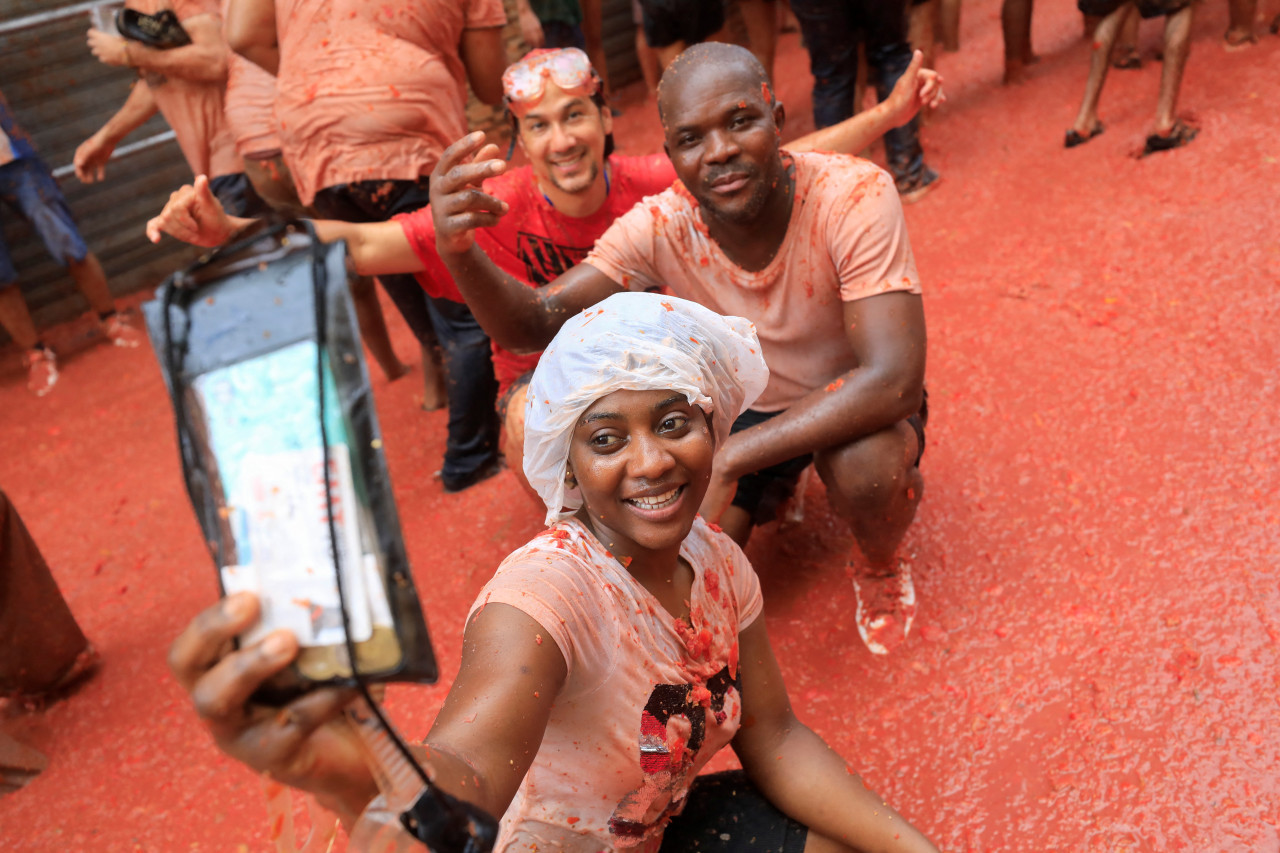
[[722, 129], [564, 136]]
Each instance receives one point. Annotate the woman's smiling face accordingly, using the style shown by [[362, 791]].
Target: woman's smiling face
[[642, 461]]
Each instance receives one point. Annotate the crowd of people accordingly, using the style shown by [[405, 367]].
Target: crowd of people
[[658, 348]]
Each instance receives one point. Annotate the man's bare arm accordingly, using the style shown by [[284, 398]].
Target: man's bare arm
[[194, 215], [92, 155], [887, 332], [204, 60], [251, 32], [918, 87], [516, 316]]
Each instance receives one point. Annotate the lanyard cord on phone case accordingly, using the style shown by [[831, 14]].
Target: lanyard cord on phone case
[[432, 816]]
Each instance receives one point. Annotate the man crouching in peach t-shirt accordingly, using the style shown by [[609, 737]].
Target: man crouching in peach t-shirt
[[812, 248]]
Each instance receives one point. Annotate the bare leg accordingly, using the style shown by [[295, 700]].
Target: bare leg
[[668, 54], [874, 485], [949, 24], [1242, 16], [92, 282], [15, 317], [593, 35], [761, 21], [924, 22], [1104, 38], [787, 22], [648, 58], [1015, 24], [373, 327], [435, 393], [1125, 53], [1177, 47]]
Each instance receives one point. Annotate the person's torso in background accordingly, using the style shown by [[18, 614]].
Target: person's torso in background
[[372, 90], [193, 108]]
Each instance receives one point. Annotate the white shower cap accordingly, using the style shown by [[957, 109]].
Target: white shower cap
[[635, 342]]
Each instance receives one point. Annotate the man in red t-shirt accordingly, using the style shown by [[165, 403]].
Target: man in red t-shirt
[[558, 206]]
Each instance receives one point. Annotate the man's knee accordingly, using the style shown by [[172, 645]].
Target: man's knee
[[873, 472], [514, 421]]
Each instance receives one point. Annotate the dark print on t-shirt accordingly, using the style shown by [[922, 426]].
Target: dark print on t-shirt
[[673, 727], [544, 261]]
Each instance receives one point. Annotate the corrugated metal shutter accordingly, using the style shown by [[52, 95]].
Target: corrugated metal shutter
[[61, 95]]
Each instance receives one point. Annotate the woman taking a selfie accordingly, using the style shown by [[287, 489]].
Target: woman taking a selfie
[[613, 655]]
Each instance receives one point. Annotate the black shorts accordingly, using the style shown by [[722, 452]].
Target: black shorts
[[763, 493], [1146, 8], [504, 400], [690, 21], [725, 813], [237, 196]]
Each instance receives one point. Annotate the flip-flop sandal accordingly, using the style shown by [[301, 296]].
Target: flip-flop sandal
[[1179, 135], [1075, 137]]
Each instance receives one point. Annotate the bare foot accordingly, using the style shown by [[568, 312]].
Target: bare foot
[[394, 371], [1015, 71], [434, 389], [1238, 39]]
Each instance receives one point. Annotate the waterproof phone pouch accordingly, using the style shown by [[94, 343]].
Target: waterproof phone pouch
[[282, 458]]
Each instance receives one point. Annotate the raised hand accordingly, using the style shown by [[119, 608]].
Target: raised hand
[[459, 204], [91, 158], [306, 744], [918, 87], [194, 215], [108, 49]]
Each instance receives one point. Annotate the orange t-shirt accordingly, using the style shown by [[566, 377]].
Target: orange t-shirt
[[846, 240], [648, 699], [372, 90], [194, 108], [251, 108]]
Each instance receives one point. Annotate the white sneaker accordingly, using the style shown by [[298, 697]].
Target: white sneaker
[[120, 331], [886, 608], [42, 370]]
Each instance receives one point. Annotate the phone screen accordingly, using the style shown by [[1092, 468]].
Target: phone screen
[[262, 420]]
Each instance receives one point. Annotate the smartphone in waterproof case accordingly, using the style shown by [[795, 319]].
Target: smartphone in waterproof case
[[260, 349], [262, 421]]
